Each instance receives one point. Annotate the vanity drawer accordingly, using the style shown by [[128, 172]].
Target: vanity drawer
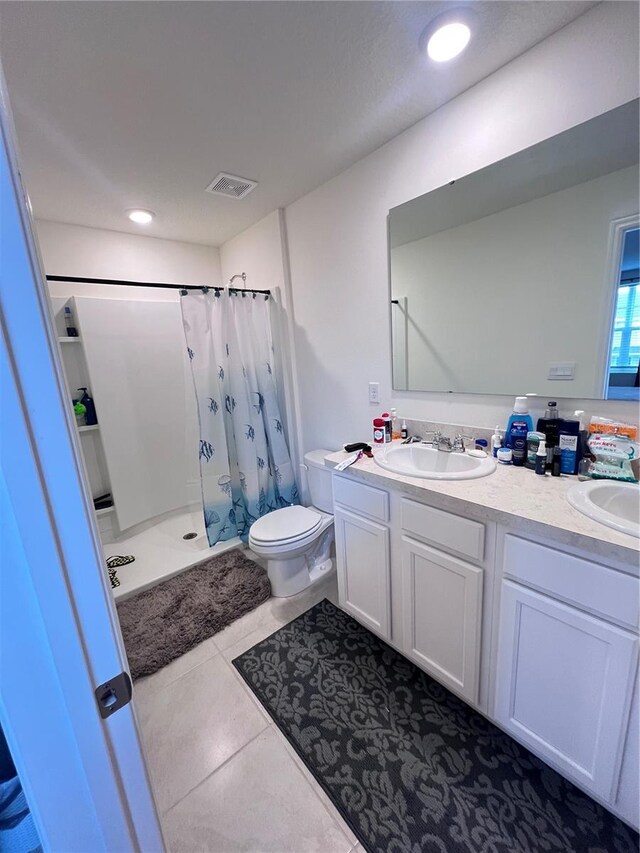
[[596, 588], [444, 529], [374, 503]]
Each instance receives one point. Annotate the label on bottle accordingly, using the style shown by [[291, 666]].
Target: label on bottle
[[568, 445], [568, 442]]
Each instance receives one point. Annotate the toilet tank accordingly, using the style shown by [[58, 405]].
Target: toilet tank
[[319, 480]]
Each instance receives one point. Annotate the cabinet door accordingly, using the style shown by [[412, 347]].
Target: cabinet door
[[563, 685], [364, 590], [628, 799], [442, 603]]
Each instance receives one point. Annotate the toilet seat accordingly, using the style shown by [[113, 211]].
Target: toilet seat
[[292, 524]]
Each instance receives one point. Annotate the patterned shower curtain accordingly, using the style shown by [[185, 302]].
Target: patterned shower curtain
[[245, 466]]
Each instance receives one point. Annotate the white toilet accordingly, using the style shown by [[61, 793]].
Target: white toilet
[[296, 540]]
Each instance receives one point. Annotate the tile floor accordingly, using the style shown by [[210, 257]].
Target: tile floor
[[224, 777]]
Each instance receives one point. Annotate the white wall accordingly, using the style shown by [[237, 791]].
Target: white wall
[[337, 234], [537, 273], [74, 250]]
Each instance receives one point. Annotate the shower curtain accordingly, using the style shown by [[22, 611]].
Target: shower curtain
[[245, 466]]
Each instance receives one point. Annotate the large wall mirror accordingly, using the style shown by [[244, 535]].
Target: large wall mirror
[[523, 277]]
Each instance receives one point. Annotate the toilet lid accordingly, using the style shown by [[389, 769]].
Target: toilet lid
[[291, 522]]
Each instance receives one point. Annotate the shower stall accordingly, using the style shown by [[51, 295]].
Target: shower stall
[[141, 457]]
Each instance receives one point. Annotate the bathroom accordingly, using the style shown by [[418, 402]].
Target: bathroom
[[172, 96]]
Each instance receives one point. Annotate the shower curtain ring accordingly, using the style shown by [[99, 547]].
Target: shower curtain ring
[[183, 292]]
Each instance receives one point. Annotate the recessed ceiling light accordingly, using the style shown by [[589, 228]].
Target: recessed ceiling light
[[140, 216], [447, 35]]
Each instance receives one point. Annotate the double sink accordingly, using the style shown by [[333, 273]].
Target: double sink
[[616, 505]]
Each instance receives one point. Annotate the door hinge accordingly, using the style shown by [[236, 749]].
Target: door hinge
[[113, 694]]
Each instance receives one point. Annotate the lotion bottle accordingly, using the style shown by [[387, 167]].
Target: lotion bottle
[[496, 442]]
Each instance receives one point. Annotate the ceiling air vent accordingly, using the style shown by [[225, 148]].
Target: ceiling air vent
[[231, 186]]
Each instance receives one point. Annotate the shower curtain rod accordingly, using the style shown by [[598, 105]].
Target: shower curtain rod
[[205, 287]]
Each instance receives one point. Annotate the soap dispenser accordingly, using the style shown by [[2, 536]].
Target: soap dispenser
[[87, 402]]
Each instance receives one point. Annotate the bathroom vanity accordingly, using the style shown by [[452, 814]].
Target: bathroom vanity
[[513, 600]]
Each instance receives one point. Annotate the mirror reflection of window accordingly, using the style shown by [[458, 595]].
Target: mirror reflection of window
[[624, 358]]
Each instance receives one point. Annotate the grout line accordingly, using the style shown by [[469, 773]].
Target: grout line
[[219, 767], [319, 793]]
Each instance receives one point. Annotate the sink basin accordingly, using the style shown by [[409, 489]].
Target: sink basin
[[420, 460], [615, 504]]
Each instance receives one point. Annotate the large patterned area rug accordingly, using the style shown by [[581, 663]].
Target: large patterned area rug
[[409, 766], [169, 619]]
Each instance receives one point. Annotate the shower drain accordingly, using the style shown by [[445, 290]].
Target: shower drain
[[190, 536]]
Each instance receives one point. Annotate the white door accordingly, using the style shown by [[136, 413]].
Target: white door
[[364, 571], [84, 776], [563, 685], [442, 605]]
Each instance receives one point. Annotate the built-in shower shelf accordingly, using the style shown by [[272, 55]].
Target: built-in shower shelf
[[64, 339], [105, 511], [90, 428]]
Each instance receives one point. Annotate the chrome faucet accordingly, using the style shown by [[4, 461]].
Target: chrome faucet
[[440, 441], [447, 445], [458, 442]]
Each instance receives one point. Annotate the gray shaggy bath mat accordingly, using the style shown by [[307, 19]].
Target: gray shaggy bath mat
[[169, 619]]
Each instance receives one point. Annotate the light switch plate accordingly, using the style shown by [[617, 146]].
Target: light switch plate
[[562, 370], [374, 392]]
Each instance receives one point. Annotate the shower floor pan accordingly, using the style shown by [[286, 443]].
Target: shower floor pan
[[162, 551]]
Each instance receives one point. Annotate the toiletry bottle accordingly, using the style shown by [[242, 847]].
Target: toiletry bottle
[[520, 423], [404, 432], [533, 442], [395, 425], [569, 444], [379, 431], [89, 405], [541, 458], [386, 417], [555, 462], [496, 442], [550, 426], [69, 323]]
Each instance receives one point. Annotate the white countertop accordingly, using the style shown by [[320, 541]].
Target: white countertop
[[511, 495]]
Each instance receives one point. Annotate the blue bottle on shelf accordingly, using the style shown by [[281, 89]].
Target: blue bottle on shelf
[[519, 424]]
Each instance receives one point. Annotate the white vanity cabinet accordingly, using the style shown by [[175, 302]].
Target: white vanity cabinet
[[540, 637], [566, 661], [363, 554]]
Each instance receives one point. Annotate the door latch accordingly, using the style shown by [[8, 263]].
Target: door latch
[[113, 694]]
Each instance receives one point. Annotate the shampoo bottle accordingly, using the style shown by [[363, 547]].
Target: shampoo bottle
[[520, 423]]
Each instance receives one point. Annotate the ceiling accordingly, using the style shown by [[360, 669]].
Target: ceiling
[[141, 104]]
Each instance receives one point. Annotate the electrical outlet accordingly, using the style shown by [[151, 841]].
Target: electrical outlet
[[374, 392]]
